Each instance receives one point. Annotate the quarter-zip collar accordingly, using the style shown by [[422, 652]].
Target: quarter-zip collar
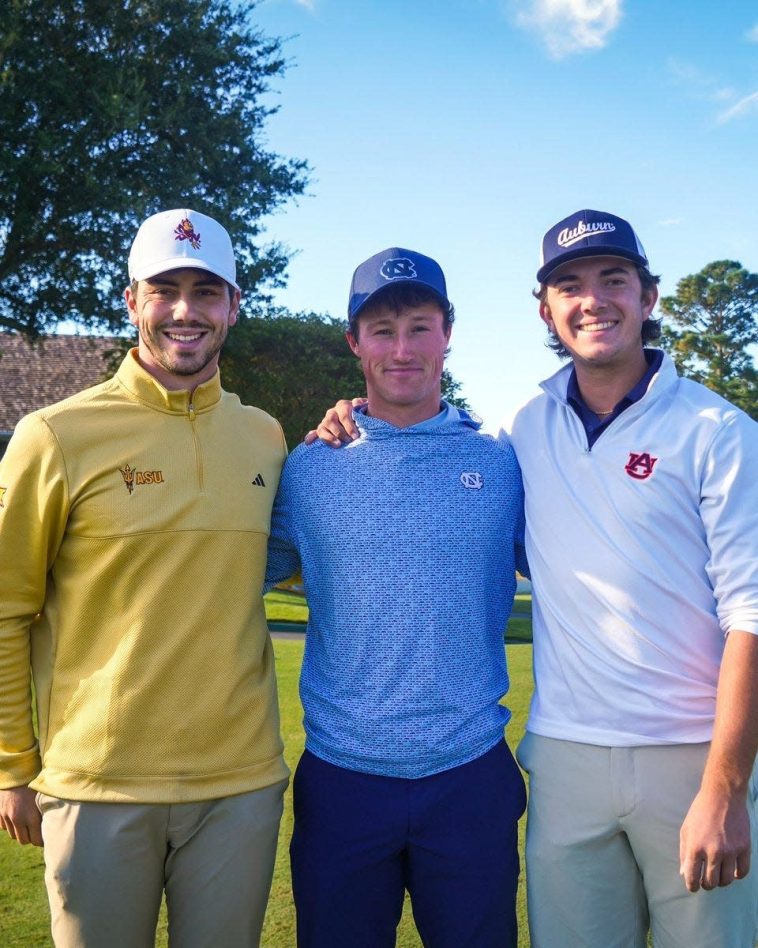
[[145, 388], [557, 386], [595, 425]]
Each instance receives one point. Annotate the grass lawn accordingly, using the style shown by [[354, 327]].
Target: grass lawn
[[23, 904]]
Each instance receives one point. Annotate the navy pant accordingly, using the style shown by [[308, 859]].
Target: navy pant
[[450, 839]]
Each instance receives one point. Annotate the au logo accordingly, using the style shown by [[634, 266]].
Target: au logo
[[399, 268], [472, 479], [640, 466], [185, 231], [134, 478]]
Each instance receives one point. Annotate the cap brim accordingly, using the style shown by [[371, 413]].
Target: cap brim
[[544, 272], [372, 297], [179, 263]]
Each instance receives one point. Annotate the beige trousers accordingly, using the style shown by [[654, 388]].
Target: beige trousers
[[107, 864], [602, 850]]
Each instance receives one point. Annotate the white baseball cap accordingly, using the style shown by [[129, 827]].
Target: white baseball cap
[[182, 238]]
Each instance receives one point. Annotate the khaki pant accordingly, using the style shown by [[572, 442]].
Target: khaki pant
[[107, 864], [602, 850]]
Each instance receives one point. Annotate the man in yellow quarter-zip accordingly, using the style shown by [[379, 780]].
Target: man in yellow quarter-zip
[[133, 513]]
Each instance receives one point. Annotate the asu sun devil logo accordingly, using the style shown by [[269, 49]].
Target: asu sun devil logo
[[134, 478], [128, 475], [640, 466], [185, 231]]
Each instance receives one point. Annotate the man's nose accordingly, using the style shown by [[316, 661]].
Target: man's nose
[[593, 300], [402, 349], [182, 308]]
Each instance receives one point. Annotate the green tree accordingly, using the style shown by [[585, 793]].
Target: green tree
[[711, 322], [297, 366], [111, 110]]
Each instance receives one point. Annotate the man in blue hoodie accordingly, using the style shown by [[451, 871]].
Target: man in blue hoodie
[[406, 781]]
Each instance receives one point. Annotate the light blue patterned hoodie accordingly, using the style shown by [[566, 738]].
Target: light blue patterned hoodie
[[408, 540]]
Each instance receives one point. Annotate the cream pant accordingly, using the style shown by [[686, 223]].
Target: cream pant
[[107, 864], [602, 850]]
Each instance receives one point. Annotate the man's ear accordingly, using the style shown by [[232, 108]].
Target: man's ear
[[234, 307], [649, 299], [353, 343], [131, 306], [545, 316]]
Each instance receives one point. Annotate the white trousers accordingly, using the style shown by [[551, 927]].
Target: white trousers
[[602, 850], [107, 864]]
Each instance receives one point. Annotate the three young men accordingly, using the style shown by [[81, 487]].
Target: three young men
[[406, 781], [132, 515]]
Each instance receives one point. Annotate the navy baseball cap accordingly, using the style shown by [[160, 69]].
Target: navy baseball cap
[[394, 266], [589, 234]]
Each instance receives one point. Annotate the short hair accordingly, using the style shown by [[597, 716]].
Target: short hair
[[649, 331], [400, 296]]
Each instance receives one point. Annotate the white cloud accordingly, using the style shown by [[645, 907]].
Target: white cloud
[[308, 4], [702, 84], [671, 222], [708, 88], [570, 26], [752, 34], [745, 106]]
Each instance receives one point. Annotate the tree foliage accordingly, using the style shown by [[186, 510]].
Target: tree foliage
[[297, 366], [111, 110], [711, 322]]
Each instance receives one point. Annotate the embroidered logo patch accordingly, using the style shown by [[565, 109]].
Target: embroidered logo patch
[[472, 480], [2, 494], [258, 482], [571, 235], [134, 478], [640, 466], [398, 268], [185, 231]]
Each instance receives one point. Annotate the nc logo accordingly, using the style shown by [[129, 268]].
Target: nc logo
[[399, 268], [472, 479], [640, 466]]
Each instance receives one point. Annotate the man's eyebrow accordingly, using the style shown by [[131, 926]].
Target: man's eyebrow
[[380, 321], [565, 278], [606, 271]]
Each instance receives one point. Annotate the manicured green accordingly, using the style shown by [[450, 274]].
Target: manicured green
[[284, 605], [23, 906]]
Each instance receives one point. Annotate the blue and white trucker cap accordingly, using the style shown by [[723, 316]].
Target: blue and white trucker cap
[[179, 238], [392, 266], [589, 234]]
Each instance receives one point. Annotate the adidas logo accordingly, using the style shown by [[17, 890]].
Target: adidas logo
[[259, 482]]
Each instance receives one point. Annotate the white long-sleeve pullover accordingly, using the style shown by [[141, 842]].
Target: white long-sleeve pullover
[[644, 555]]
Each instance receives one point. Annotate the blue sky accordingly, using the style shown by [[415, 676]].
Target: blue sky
[[465, 128]]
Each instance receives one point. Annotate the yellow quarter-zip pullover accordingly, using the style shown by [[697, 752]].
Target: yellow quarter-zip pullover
[[133, 535]]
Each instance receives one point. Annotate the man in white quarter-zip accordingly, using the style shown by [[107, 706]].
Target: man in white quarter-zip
[[134, 518], [642, 540]]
